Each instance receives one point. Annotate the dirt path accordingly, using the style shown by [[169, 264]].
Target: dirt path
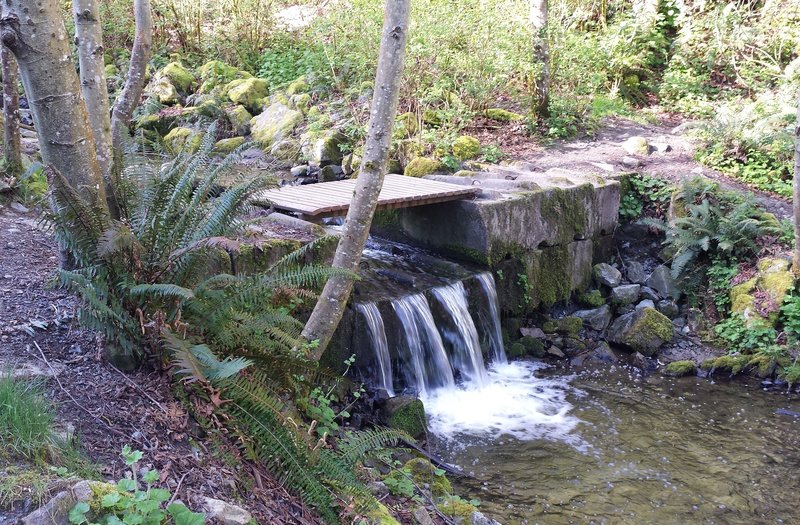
[[102, 407], [603, 154]]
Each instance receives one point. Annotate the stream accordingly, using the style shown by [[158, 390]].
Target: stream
[[613, 447]]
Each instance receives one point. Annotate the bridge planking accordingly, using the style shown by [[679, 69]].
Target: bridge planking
[[331, 199]]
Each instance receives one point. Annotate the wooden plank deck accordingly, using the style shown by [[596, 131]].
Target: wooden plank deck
[[331, 199]]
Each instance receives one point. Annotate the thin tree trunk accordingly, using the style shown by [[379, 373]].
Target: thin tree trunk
[[134, 83], [796, 195], [11, 141], [541, 56], [35, 33], [331, 304], [89, 39]]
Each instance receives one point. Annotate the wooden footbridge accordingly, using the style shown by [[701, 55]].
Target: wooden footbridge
[[332, 199]]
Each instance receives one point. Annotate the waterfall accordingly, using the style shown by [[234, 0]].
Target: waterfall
[[430, 366], [467, 355], [496, 337], [377, 335]]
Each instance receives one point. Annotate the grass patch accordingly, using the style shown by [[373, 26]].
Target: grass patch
[[26, 418]]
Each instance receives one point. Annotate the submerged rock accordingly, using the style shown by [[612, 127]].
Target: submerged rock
[[643, 330]]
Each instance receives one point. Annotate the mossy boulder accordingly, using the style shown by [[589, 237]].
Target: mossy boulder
[[273, 124], [225, 146], [516, 350], [466, 147], [248, 92], [758, 299], [643, 331], [636, 146], [405, 413], [287, 150], [680, 369], [569, 326], [164, 91], [239, 118], [421, 166], [380, 515], [178, 75], [111, 70], [182, 139], [457, 508], [301, 102], [502, 115], [532, 346], [300, 85], [215, 74], [323, 147], [592, 298], [732, 364]]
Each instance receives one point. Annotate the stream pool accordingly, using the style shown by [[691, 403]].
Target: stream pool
[[613, 447]]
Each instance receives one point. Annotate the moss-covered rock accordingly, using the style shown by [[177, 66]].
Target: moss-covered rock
[[464, 173], [516, 350], [733, 364], [248, 92], [502, 115], [273, 124], [421, 166], [178, 75], [592, 298], [431, 117], [182, 139], [457, 508], [301, 102], [643, 330], [466, 147], [239, 118], [380, 515], [163, 91], [533, 347], [287, 150], [323, 147], [111, 70], [215, 75], [680, 369], [225, 146], [769, 286], [407, 124], [424, 473], [405, 413], [300, 85]]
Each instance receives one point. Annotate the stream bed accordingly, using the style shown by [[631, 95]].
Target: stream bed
[[613, 447]]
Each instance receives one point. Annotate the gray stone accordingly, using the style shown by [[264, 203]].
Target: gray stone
[[603, 166], [602, 355], [680, 322], [606, 274], [330, 173], [625, 309], [56, 511], [226, 513], [625, 294], [477, 518], [649, 293], [643, 330], [636, 146], [639, 361], [299, 171], [421, 517], [662, 282], [556, 352], [597, 318], [534, 332], [17, 207], [645, 303], [669, 308], [323, 148], [634, 272], [631, 162], [378, 488], [273, 124]]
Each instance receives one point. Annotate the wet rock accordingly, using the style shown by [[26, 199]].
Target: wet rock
[[646, 303], [405, 413], [636, 146], [669, 308], [639, 361], [625, 294], [597, 318], [602, 355], [606, 274], [226, 513], [634, 272], [662, 282], [642, 331]]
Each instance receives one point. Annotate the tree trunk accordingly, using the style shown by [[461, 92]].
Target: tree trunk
[[35, 33], [11, 142], [331, 304], [796, 195], [541, 57], [134, 82], [89, 39]]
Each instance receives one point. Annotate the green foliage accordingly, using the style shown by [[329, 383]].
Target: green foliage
[[31, 186], [739, 337], [127, 503], [493, 153], [26, 418], [286, 59], [644, 193], [720, 273], [790, 316]]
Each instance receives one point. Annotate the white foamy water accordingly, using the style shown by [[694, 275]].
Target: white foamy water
[[514, 403]]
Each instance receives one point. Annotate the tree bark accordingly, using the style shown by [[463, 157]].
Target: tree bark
[[11, 141], [134, 82], [89, 40], [541, 56], [796, 195], [331, 304], [35, 33]]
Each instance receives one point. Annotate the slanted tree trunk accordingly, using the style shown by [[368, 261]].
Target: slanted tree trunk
[[331, 304], [11, 141], [541, 57], [35, 33], [89, 39], [134, 82], [796, 194]]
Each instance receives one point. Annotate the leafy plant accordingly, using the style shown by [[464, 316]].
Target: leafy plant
[[739, 337]]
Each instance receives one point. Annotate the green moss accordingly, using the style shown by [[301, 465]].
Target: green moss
[[226, 146], [298, 86], [423, 473], [680, 368], [111, 70], [456, 507], [777, 284], [421, 166], [516, 350], [549, 327], [658, 323], [164, 91], [772, 264], [533, 347], [239, 118], [380, 515], [762, 365], [464, 173], [408, 125], [300, 102], [734, 364], [248, 92], [409, 418], [570, 326], [502, 115], [179, 76], [468, 254], [550, 279], [744, 288], [565, 211], [593, 299], [182, 139], [466, 147]]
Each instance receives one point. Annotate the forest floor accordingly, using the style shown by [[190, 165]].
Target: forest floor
[[102, 407]]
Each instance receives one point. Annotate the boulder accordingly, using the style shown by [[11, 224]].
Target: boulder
[[662, 282], [631, 162], [502, 115], [182, 139], [56, 510], [533, 347], [669, 308], [248, 92], [239, 118], [273, 124], [602, 355], [634, 272], [569, 326], [163, 90], [643, 330], [421, 166], [645, 303], [323, 148], [648, 293], [758, 299], [178, 75], [301, 102], [592, 298], [680, 369], [226, 513], [287, 150], [331, 173], [466, 147], [596, 319], [625, 294], [405, 413], [606, 274], [225, 146], [636, 146], [299, 86]]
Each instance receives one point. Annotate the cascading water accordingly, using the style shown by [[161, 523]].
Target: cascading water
[[377, 335], [496, 337]]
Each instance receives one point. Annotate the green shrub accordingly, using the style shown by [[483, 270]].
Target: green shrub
[[739, 337]]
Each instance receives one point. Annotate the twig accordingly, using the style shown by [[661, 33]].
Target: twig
[[137, 387], [75, 401], [180, 481]]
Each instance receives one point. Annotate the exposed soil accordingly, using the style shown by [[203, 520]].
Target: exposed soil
[[108, 409]]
